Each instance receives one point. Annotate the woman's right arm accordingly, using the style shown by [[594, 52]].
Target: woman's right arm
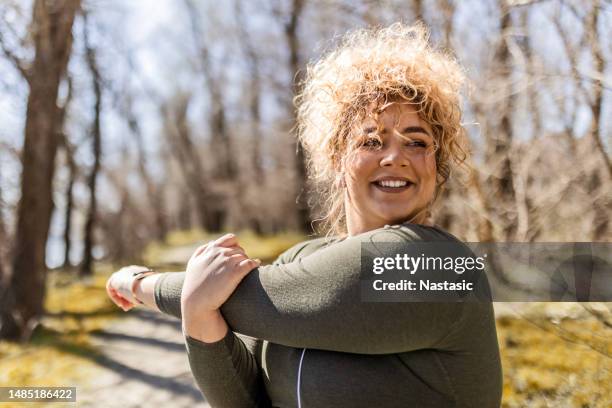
[[226, 371], [315, 302]]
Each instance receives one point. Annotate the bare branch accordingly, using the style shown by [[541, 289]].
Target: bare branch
[[14, 59]]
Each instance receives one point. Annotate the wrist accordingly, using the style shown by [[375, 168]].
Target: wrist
[[135, 287], [208, 327]]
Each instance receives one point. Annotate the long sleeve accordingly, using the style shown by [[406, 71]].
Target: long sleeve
[[226, 372], [315, 302]]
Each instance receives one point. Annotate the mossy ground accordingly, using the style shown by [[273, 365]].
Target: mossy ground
[[548, 362]]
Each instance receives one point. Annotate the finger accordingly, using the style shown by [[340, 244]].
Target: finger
[[246, 266], [236, 259], [227, 240], [122, 302], [108, 287], [199, 250], [232, 251], [117, 300], [126, 304]]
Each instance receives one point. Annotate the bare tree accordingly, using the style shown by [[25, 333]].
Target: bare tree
[[602, 207], [176, 127], [417, 6], [257, 176], [297, 76], [593, 38], [124, 234], [154, 190], [221, 141], [254, 87], [447, 7], [3, 239], [22, 300], [68, 194], [500, 141], [96, 135], [68, 149]]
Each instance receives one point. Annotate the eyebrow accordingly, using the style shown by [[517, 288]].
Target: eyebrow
[[415, 129], [409, 129]]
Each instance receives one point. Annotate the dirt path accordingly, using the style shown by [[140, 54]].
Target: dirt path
[[144, 363]]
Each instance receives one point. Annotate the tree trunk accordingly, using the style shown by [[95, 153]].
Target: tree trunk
[[447, 8], [22, 303], [417, 6], [88, 236], [500, 142], [183, 148], [69, 206], [154, 192], [4, 241], [601, 207], [72, 169], [291, 36], [256, 177], [221, 141]]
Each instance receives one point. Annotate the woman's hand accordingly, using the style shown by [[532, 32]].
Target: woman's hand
[[213, 273], [119, 286]]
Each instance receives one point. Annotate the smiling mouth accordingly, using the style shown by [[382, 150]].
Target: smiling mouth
[[392, 186]]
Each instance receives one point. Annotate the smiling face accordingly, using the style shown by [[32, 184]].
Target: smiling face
[[390, 176]]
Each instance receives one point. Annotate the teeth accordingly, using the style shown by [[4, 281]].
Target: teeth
[[392, 183]]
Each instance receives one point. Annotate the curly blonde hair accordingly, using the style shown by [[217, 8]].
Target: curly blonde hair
[[375, 66]]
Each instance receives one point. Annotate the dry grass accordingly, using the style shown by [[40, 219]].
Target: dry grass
[[59, 353], [556, 362], [267, 248], [549, 361]]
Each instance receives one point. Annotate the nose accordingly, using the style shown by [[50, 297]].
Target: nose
[[393, 155]]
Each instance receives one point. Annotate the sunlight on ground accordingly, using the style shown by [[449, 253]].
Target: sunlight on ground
[[552, 362], [59, 353]]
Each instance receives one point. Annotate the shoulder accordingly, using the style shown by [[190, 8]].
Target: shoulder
[[399, 234], [303, 249], [393, 239], [408, 233]]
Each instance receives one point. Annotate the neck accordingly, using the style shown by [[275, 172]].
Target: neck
[[357, 224]]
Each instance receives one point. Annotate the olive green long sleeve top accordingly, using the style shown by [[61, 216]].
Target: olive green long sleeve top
[[301, 337]]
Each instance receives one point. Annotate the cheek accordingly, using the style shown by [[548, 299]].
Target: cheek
[[428, 174], [426, 169], [359, 168], [432, 168]]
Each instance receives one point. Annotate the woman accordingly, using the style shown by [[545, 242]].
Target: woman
[[380, 120]]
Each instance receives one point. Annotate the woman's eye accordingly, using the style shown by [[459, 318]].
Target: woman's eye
[[416, 144], [371, 142]]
